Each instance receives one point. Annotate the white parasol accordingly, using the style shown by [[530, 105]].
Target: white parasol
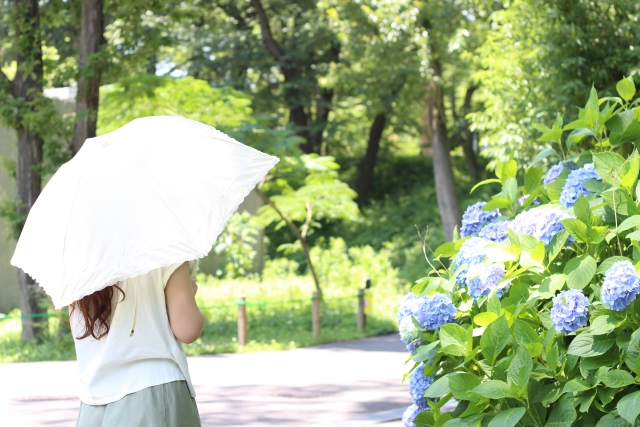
[[155, 192]]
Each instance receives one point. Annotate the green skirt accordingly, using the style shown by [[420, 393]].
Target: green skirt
[[164, 405]]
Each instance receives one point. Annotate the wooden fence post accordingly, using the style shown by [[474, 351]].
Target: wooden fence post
[[242, 321], [315, 313], [362, 319]]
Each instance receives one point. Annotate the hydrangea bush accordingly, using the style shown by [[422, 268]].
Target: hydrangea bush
[[530, 317]]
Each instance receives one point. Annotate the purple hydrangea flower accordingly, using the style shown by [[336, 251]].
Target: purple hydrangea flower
[[404, 309], [496, 231], [408, 331], [535, 201], [433, 311], [474, 218], [482, 278], [413, 345], [541, 223], [553, 173], [574, 187], [621, 285], [418, 385], [569, 312], [410, 415], [471, 252]]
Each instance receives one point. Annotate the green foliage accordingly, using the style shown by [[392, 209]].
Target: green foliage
[[237, 245], [543, 57], [502, 358]]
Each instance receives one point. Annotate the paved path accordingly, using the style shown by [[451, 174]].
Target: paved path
[[324, 385]]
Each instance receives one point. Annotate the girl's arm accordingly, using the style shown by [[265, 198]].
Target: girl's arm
[[184, 317]]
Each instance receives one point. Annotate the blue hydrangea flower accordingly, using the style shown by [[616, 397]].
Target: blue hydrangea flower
[[535, 201], [471, 252], [418, 385], [482, 278], [574, 186], [413, 345], [408, 331], [552, 174], [474, 218], [404, 309], [621, 285], [496, 231], [569, 312], [541, 223], [434, 310], [410, 415]]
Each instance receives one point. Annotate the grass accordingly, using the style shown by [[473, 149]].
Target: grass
[[277, 325]]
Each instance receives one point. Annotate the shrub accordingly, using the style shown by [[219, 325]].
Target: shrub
[[547, 323]]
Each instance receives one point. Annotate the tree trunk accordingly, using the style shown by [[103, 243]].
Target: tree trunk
[[467, 138], [435, 133], [26, 86], [369, 160], [88, 97], [323, 108]]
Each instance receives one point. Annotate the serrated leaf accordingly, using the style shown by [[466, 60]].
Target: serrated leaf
[[507, 417], [603, 325], [631, 222], [551, 285], [587, 345], [520, 368], [610, 420], [470, 421], [461, 386], [629, 407], [439, 388], [494, 389], [454, 339], [562, 415], [495, 339], [532, 179], [617, 378], [576, 385], [485, 318], [576, 228], [608, 166], [580, 270]]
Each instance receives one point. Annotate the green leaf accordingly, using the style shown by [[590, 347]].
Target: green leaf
[[552, 284], [580, 270], [507, 417], [588, 345], [582, 210], [556, 245], [442, 419], [494, 389], [619, 122], [497, 203], [495, 339], [617, 378], [485, 318], [629, 407], [631, 222], [544, 154], [485, 182], [603, 325], [576, 385], [562, 415], [520, 368], [439, 388], [576, 228], [470, 421], [493, 305], [509, 170], [552, 357], [526, 336], [454, 340], [626, 88], [532, 179], [461, 386], [631, 175], [610, 420], [607, 263], [608, 166]]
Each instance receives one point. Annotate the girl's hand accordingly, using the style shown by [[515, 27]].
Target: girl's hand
[[185, 318]]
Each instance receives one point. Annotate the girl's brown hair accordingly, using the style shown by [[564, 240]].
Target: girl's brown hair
[[96, 310]]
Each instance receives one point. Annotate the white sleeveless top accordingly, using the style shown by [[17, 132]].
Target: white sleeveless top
[[119, 364]]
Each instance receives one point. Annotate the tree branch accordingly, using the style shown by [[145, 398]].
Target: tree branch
[[267, 36]]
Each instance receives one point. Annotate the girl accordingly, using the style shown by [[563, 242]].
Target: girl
[[133, 371]]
